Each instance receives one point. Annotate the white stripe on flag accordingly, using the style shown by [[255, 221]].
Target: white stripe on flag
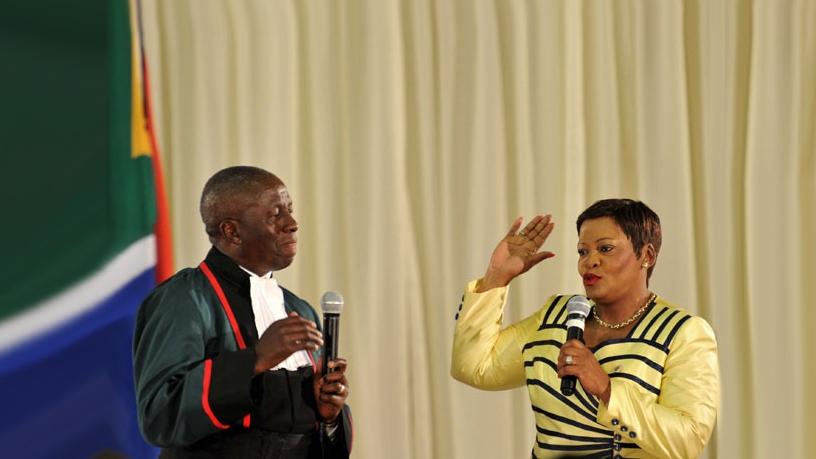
[[80, 297]]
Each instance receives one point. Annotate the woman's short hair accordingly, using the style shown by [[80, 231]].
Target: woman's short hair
[[638, 222]]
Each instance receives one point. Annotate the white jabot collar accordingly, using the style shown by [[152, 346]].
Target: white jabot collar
[[268, 307]]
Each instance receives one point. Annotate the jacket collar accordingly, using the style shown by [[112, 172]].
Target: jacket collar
[[227, 269]]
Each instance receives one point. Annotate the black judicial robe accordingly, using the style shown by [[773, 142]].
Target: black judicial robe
[[194, 361]]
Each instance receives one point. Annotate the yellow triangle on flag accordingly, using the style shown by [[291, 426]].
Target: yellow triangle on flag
[[140, 136]]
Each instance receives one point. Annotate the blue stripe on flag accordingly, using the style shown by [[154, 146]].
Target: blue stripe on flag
[[69, 393]]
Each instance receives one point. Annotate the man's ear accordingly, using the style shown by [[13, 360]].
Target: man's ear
[[229, 231]]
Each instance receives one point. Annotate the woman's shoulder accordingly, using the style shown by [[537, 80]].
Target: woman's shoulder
[[665, 307], [554, 309], [667, 323]]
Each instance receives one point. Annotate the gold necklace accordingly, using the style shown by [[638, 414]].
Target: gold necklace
[[627, 321]]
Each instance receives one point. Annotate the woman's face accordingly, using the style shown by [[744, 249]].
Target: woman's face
[[607, 262]]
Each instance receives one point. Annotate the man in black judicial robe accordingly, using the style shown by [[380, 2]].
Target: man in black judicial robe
[[207, 385]]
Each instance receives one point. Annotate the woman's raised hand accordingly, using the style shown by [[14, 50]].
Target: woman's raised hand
[[517, 252]]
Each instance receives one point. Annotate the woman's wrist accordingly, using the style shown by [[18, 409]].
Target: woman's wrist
[[490, 281], [607, 393]]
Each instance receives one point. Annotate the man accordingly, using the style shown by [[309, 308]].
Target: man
[[224, 358]]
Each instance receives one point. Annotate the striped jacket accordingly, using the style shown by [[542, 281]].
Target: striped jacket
[[664, 376]]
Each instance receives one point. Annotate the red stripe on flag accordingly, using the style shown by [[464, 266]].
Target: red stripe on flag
[[164, 236]]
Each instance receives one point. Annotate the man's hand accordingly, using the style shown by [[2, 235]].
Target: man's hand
[[517, 252], [283, 338], [331, 391]]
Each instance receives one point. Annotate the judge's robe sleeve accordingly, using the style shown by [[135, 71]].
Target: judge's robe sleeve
[[184, 390]]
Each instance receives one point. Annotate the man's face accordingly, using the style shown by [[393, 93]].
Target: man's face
[[268, 230]]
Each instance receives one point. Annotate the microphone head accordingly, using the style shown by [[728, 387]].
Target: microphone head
[[577, 311], [331, 303], [578, 304]]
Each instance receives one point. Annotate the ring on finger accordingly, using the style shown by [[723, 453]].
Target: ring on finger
[[569, 360]]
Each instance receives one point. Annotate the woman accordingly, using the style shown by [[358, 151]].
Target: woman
[[648, 379]]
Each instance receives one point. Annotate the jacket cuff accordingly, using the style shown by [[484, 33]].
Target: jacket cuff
[[339, 447], [231, 384], [612, 415]]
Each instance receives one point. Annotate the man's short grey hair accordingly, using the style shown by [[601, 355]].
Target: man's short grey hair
[[220, 192]]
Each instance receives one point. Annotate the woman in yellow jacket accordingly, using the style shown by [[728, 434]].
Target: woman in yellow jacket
[[647, 372]]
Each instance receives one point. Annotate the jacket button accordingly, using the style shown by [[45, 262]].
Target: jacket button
[[617, 437], [632, 435], [624, 428], [615, 421]]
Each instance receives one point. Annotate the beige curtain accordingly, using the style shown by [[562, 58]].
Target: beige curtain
[[411, 133]]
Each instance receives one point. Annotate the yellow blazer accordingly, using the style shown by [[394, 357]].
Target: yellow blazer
[[664, 376]]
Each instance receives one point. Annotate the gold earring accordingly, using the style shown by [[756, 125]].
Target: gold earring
[[645, 265]]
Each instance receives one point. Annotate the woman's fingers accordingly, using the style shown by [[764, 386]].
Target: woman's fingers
[[528, 241], [544, 233], [517, 252], [529, 230], [571, 353], [515, 226], [542, 225], [536, 230]]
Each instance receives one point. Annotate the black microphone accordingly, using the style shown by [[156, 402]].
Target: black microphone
[[577, 312], [332, 305]]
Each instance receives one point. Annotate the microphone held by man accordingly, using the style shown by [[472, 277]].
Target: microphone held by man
[[332, 305]]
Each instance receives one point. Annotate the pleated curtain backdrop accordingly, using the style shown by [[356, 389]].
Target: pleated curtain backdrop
[[411, 133]]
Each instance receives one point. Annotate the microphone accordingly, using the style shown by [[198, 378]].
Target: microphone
[[332, 304], [577, 312]]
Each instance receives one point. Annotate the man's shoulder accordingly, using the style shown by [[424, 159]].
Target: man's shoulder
[[182, 276], [184, 279], [177, 289]]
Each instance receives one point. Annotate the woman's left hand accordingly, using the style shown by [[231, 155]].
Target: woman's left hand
[[585, 367]]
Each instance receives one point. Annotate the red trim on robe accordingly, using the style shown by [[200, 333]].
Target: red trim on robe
[[225, 304], [239, 340], [205, 396]]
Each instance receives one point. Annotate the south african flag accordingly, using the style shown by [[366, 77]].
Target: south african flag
[[85, 227]]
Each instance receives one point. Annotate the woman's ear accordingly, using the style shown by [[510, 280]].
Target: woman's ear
[[648, 256]]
